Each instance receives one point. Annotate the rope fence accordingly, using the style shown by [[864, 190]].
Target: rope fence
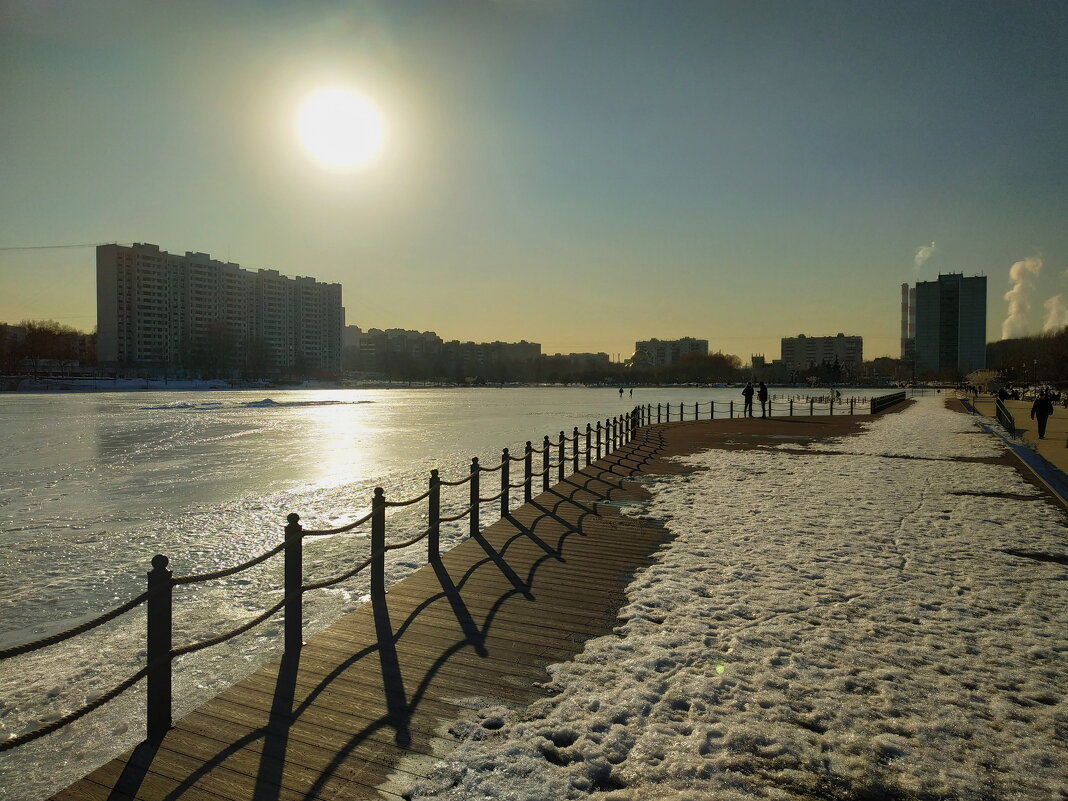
[[595, 442], [161, 651]]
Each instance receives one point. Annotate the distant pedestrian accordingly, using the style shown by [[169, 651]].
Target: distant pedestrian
[[1042, 410], [762, 396], [621, 392], [632, 392], [747, 394]]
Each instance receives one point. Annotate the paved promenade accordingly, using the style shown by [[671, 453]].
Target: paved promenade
[[366, 709], [1054, 448]]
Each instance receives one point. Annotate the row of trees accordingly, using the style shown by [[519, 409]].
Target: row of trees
[[1043, 357], [44, 345]]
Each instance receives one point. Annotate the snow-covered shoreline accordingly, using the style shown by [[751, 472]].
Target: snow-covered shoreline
[[827, 623]]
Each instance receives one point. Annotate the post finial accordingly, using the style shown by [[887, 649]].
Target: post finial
[[379, 492], [292, 518], [160, 562], [434, 473]]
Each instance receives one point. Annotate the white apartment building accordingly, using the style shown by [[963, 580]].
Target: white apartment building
[[661, 352], [802, 352], [159, 309]]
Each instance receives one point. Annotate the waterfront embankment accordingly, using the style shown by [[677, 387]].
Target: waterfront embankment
[[873, 613]]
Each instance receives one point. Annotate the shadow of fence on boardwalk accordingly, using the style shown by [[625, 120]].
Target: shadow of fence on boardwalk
[[292, 699]]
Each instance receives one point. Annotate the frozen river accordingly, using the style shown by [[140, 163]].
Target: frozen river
[[92, 485]]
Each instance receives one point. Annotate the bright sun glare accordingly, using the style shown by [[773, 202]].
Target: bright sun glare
[[339, 128]]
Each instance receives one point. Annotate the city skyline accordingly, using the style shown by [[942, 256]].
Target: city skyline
[[584, 175]]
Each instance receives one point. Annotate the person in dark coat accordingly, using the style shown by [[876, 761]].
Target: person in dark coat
[[1042, 410], [747, 393], [762, 396]]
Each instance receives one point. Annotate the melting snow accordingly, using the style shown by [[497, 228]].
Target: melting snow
[[823, 625]]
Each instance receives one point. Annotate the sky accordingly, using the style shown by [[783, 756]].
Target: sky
[[577, 173]]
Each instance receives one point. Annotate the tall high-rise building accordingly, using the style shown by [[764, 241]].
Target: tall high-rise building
[[159, 309], [950, 329], [908, 322]]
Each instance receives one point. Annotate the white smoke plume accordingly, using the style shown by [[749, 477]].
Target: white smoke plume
[[1056, 313], [1019, 297], [922, 255]]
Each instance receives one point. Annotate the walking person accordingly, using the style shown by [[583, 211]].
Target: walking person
[[1042, 410], [762, 396], [747, 394]]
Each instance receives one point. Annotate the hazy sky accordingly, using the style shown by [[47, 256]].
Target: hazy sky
[[581, 174]]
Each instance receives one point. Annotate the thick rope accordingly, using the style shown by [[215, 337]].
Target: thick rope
[[340, 530], [22, 739], [319, 585], [230, 570], [461, 482], [409, 502], [199, 646], [460, 516], [27, 647], [398, 545]]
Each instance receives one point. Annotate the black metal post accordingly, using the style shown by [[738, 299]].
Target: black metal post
[[474, 495], [589, 433], [658, 412], [545, 463], [528, 470], [378, 545], [561, 457], [434, 514], [292, 580], [575, 451], [505, 479], [158, 710], [598, 440]]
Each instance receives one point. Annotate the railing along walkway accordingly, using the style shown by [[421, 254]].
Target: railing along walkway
[[363, 707]]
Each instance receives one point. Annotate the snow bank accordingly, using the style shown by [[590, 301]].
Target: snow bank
[[824, 625]]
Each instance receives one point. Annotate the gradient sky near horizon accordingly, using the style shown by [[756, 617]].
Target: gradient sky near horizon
[[579, 173]]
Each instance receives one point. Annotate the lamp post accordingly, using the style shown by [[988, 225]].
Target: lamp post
[[1035, 382]]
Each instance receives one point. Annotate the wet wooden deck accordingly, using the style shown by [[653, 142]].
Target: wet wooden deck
[[366, 706]]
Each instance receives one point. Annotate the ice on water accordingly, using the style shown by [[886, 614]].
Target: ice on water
[[822, 625]]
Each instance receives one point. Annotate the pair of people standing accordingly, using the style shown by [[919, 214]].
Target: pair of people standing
[[762, 396]]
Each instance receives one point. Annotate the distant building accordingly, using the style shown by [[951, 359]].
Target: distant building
[[908, 323], [662, 352], [157, 309], [950, 328], [803, 352]]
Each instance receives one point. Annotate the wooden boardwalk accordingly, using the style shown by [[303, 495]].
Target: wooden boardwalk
[[366, 706]]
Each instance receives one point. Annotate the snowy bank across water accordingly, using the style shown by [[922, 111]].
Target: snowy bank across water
[[828, 623]]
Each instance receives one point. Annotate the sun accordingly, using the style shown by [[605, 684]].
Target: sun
[[339, 128]]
